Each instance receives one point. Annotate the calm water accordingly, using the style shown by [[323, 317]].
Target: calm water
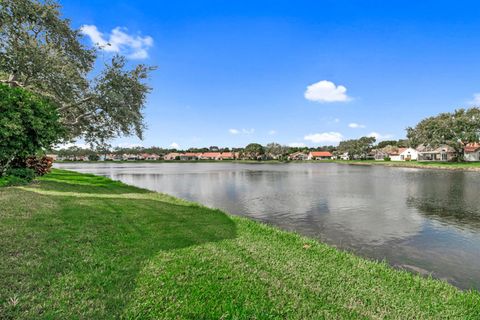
[[422, 220]]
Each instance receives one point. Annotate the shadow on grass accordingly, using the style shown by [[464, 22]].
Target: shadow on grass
[[89, 250]]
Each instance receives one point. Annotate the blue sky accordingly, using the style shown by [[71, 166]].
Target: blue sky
[[234, 72]]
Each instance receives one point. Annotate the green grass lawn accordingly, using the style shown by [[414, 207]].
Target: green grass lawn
[[76, 246]]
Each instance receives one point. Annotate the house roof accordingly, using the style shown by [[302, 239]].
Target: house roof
[[227, 155], [472, 147], [321, 154], [298, 153], [211, 154], [173, 154], [429, 149]]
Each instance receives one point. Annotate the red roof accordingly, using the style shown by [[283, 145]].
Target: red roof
[[321, 154], [226, 155], [211, 154], [472, 147]]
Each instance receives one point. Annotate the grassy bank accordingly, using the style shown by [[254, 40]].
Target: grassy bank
[[78, 246], [465, 166]]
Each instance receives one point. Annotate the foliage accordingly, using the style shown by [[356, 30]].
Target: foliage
[[41, 52], [276, 151], [387, 158], [253, 151], [383, 144], [454, 129], [93, 157], [7, 181], [40, 165], [26, 174], [356, 148], [28, 124]]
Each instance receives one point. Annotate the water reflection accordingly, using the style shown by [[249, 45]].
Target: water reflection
[[422, 220]]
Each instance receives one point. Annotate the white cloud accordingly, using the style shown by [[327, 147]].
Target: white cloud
[[242, 131], [296, 144], [325, 137], [133, 46], [326, 91], [379, 136], [476, 100], [174, 145], [272, 132], [356, 125]]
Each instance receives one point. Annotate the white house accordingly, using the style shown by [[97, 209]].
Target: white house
[[441, 153], [404, 154], [344, 156], [472, 152]]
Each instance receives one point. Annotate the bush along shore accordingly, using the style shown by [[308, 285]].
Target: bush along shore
[[78, 246]]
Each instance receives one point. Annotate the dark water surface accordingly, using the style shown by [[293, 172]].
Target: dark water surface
[[427, 221]]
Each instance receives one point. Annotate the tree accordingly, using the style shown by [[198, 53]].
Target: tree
[[383, 144], [254, 151], [40, 52], [276, 151], [28, 124], [455, 129], [356, 148]]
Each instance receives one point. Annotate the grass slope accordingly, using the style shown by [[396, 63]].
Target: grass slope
[[77, 246]]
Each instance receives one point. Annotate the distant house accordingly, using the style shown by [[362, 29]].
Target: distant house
[[408, 154], [148, 156], [472, 152], [381, 154], [53, 156], [298, 156], [115, 157], [442, 153], [172, 156], [319, 155], [210, 156], [189, 156], [404, 154], [227, 156], [344, 156], [129, 157]]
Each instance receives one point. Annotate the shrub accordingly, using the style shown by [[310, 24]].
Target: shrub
[[387, 158], [25, 174], [11, 181], [40, 165], [28, 124]]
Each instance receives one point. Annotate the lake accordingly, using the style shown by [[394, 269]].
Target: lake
[[425, 221]]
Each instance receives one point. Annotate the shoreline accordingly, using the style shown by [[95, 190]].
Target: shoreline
[[462, 166], [119, 250]]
